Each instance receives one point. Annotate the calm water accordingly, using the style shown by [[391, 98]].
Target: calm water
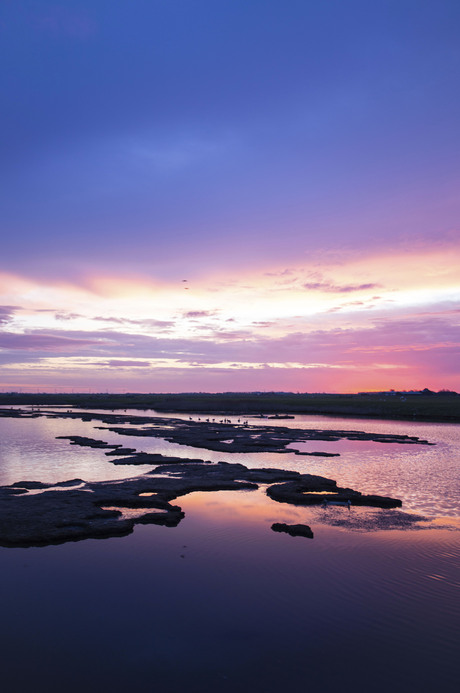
[[222, 603], [425, 477]]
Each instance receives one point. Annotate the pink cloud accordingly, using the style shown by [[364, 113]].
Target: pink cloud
[[123, 363], [44, 342], [330, 287], [142, 322], [7, 313], [67, 316], [399, 353], [199, 313]]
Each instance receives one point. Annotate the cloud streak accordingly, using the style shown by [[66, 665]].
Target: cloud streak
[[7, 313], [329, 287]]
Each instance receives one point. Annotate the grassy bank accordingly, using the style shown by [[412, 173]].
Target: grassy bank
[[414, 407]]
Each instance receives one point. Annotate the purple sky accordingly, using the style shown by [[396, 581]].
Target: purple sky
[[297, 163]]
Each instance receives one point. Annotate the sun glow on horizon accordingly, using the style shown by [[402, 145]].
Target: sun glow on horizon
[[331, 326]]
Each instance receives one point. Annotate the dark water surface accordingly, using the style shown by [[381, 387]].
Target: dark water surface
[[221, 602]]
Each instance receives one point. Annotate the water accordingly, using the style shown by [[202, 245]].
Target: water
[[425, 477], [223, 603]]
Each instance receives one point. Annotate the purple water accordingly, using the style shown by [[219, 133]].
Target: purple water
[[223, 603]]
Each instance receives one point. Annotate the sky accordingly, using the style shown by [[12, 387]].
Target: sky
[[229, 195]]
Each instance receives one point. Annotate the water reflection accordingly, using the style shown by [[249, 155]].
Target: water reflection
[[223, 603], [29, 450], [239, 607], [426, 478]]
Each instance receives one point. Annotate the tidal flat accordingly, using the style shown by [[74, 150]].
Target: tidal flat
[[195, 586]]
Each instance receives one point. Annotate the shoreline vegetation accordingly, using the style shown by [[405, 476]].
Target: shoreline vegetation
[[427, 406]]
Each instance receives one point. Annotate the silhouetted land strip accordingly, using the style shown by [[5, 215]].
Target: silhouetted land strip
[[428, 406], [209, 434], [293, 530], [241, 438], [75, 510]]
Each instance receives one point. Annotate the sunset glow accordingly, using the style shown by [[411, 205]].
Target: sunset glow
[[291, 223]]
